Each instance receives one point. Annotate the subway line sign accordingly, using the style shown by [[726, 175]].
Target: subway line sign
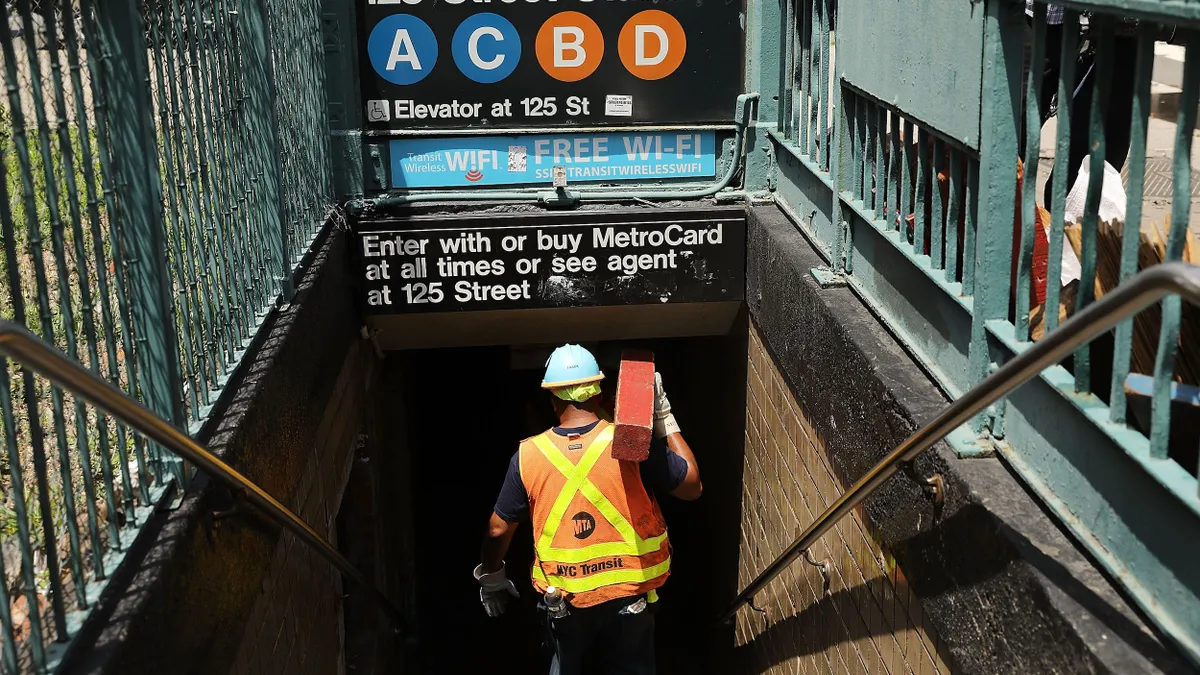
[[512, 63]]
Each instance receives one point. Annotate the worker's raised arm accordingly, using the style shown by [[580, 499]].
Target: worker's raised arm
[[665, 425]]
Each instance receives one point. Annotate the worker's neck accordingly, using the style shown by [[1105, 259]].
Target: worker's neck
[[573, 418]]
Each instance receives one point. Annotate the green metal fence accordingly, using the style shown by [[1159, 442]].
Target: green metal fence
[[896, 131], [163, 170]]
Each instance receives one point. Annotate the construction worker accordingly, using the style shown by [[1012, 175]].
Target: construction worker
[[600, 541]]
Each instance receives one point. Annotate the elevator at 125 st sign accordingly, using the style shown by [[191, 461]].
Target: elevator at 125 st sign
[[536, 63]]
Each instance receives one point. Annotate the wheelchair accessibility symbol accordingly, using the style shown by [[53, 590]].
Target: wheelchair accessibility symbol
[[378, 111]]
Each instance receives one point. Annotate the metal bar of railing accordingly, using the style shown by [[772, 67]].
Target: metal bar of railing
[[1062, 153], [1177, 236], [1131, 236], [895, 206], [99, 92], [1032, 153], [955, 189], [920, 203], [824, 134], [971, 204], [1149, 286], [1090, 225], [21, 142], [879, 198], [18, 343], [937, 227], [906, 177]]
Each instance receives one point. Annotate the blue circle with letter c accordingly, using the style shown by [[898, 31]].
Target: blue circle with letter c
[[486, 47], [403, 49]]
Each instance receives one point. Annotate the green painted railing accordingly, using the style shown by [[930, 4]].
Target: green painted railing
[[896, 131], [163, 171]]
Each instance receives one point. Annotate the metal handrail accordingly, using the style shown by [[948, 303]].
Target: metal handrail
[[27, 349], [1128, 299]]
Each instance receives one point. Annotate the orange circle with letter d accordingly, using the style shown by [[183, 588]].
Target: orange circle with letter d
[[569, 46], [652, 44]]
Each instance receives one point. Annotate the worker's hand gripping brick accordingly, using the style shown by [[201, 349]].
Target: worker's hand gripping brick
[[664, 421], [634, 414]]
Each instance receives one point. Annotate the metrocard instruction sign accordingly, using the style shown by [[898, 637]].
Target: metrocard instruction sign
[[447, 64], [472, 263]]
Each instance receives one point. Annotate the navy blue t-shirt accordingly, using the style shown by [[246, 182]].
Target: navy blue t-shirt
[[662, 471]]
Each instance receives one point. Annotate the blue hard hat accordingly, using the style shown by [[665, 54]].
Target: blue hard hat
[[570, 365]]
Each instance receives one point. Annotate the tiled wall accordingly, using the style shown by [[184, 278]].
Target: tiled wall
[[296, 623], [864, 619]]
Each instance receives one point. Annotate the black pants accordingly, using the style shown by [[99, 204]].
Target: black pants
[[1118, 113], [601, 640]]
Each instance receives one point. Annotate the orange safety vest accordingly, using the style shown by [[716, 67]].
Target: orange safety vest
[[598, 535]]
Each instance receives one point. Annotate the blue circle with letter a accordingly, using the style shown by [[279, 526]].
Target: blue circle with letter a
[[486, 48], [403, 49]]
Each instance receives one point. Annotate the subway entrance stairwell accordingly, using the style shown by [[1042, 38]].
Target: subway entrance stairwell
[[279, 280]]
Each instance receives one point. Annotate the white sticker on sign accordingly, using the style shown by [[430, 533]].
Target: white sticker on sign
[[517, 161], [618, 105]]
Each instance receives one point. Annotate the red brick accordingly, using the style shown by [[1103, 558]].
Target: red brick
[[634, 414]]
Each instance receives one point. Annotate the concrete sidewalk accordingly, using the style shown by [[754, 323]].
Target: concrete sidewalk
[[1160, 156]]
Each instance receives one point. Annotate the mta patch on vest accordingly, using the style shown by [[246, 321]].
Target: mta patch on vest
[[585, 524]]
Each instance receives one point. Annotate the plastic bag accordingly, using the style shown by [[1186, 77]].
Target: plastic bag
[[1112, 207]]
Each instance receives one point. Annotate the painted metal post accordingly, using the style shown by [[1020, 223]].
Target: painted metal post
[[1004, 30], [254, 24], [841, 157], [763, 50], [139, 203], [340, 39]]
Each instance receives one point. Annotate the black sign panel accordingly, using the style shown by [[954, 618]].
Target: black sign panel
[[513, 63], [469, 264]]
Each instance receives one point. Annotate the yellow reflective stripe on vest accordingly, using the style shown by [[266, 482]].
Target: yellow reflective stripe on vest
[[602, 579], [577, 482], [575, 474], [605, 550]]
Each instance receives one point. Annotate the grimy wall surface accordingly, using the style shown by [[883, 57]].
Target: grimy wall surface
[[224, 592], [984, 583], [296, 623]]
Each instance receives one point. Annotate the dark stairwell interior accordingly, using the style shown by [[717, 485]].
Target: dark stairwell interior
[[446, 423]]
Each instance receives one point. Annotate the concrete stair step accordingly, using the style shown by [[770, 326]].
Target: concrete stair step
[[1168, 64]]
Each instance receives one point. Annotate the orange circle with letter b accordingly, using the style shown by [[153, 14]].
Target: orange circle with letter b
[[652, 44], [569, 46]]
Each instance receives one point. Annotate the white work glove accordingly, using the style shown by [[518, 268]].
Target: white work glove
[[664, 421], [495, 590]]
